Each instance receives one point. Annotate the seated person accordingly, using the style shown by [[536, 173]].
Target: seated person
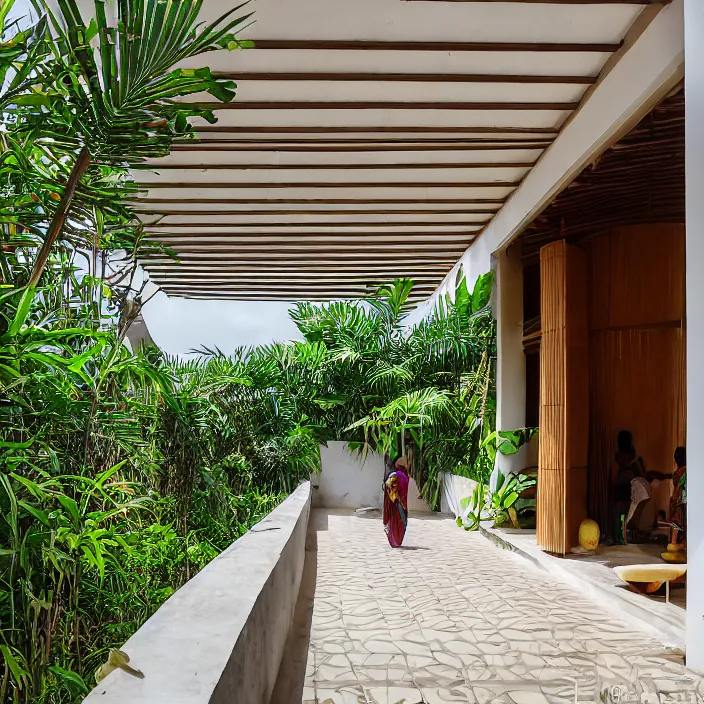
[[632, 491], [678, 505]]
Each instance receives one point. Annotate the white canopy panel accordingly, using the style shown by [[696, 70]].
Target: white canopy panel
[[369, 140]]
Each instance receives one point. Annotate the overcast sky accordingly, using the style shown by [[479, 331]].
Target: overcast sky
[[179, 325]]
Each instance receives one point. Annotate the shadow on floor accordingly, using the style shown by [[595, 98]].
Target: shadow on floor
[[292, 672]]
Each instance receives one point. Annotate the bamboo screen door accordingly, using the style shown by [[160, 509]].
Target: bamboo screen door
[[564, 397]]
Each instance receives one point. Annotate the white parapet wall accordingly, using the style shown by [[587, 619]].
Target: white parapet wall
[[454, 490], [221, 637], [349, 480]]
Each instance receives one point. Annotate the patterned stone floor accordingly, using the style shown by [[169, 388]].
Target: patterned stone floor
[[453, 618]]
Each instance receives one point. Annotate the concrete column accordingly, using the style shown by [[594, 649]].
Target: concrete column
[[511, 363], [694, 60]]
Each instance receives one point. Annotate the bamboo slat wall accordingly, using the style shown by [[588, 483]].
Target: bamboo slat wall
[[637, 354], [564, 397], [639, 180]]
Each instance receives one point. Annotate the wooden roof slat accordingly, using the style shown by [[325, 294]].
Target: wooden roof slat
[[313, 274], [325, 201], [286, 285], [235, 140], [559, 2], [402, 77], [352, 266], [330, 184], [438, 256], [382, 129], [341, 248], [414, 46], [238, 146], [282, 298], [378, 105], [285, 225], [329, 293], [347, 166], [257, 280], [215, 243], [248, 213]]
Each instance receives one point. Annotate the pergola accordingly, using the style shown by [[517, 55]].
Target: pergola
[[371, 139]]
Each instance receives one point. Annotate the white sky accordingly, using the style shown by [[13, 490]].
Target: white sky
[[179, 325]]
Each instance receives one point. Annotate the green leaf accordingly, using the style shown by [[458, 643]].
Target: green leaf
[[70, 676], [22, 311], [18, 672], [41, 516], [70, 505], [481, 296], [510, 500], [92, 31]]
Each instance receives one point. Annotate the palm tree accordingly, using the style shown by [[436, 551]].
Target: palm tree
[[113, 99]]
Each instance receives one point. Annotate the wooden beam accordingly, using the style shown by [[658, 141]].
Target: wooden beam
[[283, 298], [204, 213], [401, 77], [329, 290], [292, 268], [229, 145], [383, 129], [302, 292], [415, 46], [379, 105], [235, 140], [560, 2], [292, 246], [458, 242], [314, 274], [286, 225], [302, 256], [332, 184], [325, 201], [158, 166], [256, 280]]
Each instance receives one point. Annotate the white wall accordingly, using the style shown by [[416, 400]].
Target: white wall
[[511, 364], [347, 482], [694, 48]]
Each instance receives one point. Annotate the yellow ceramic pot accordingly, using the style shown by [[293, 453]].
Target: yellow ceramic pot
[[678, 557], [589, 534]]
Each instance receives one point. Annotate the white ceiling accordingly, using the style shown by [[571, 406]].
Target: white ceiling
[[306, 188]]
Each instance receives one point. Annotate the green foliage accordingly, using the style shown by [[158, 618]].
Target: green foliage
[[500, 499], [122, 473], [504, 495]]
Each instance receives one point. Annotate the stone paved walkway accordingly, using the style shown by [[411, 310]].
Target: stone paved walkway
[[453, 618]]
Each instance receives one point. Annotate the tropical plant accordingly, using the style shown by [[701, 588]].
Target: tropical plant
[[123, 472], [97, 528], [499, 499], [504, 496], [110, 103]]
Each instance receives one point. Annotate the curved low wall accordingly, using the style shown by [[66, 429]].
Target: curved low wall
[[221, 637]]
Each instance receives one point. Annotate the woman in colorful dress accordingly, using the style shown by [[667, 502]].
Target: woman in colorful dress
[[396, 503]]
